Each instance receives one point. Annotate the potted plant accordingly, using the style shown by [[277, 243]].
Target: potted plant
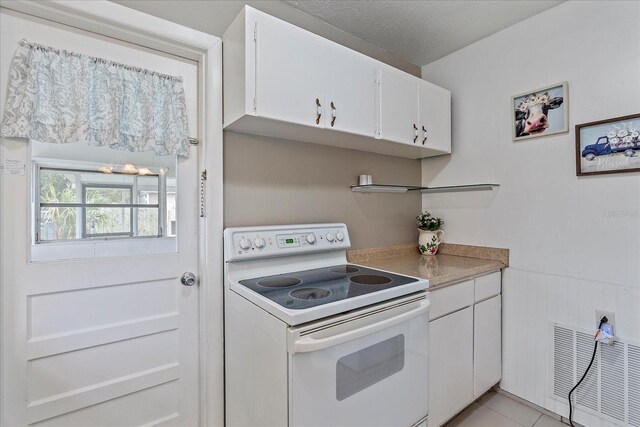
[[430, 233]]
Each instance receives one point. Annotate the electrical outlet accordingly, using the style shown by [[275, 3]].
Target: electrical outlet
[[611, 317]]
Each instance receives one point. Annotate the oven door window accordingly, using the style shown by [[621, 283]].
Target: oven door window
[[364, 368]]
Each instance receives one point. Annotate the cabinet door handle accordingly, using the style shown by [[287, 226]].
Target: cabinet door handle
[[334, 113], [415, 133], [318, 111], [424, 134]]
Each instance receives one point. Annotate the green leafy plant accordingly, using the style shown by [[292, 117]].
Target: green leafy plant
[[57, 188], [428, 223]]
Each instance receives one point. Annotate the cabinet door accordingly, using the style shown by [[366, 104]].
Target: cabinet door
[[435, 117], [289, 74], [450, 365], [487, 332], [399, 106], [349, 91]]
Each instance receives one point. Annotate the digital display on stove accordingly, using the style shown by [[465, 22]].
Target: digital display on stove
[[288, 240]]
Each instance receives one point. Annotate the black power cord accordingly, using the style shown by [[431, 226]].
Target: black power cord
[[593, 357]]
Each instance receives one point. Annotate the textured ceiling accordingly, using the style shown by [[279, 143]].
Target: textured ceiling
[[215, 16], [422, 31]]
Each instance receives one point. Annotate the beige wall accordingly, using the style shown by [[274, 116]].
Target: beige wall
[[272, 181]]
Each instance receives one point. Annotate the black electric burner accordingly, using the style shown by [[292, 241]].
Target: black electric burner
[[310, 288]]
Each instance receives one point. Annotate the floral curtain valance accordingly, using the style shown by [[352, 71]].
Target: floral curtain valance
[[61, 97]]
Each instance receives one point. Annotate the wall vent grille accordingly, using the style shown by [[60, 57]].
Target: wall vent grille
[[611, 390], [587, 393], [633, 355], [562, 361]]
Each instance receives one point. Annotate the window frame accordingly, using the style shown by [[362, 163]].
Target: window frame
[[129, 206], [78, 167]]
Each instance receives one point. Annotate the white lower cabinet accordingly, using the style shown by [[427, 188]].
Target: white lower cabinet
[[465, 345], [450, 365], [487, 343]]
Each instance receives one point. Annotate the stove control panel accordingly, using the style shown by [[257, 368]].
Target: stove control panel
[[264, 242]]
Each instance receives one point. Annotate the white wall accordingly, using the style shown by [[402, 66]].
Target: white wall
[[575, 242]]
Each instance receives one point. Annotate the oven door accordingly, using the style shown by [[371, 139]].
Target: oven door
[[369, 370]]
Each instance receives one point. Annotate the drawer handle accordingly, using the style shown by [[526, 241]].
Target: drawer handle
[[334, 113], [308, 344], [318, 111]]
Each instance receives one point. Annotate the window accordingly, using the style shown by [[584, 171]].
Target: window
[[88, 201], [368, 366]]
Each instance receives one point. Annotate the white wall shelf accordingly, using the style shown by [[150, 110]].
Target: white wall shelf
[[383, 188], [459, 188], [387, 188]]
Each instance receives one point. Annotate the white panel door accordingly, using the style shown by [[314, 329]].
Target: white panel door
[[109, 339], [435, 117], [349, 92], [399, 106], [450, 365], [487, 344], [289, 73]]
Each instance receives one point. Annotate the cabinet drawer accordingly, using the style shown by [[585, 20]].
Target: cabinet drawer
[[450, 299], [487, 286]]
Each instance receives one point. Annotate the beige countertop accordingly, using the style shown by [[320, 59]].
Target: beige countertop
[[452, 264]]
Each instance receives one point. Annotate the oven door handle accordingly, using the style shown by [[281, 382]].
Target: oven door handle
[[308, 344]]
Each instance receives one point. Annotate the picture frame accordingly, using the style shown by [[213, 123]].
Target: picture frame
[[608, 146], [540, 112]]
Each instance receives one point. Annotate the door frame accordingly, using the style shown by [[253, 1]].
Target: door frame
[[119, 22]]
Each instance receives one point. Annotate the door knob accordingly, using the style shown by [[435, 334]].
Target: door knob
[[188, 279]]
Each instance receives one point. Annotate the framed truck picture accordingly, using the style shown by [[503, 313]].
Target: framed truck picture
[[608, 146]]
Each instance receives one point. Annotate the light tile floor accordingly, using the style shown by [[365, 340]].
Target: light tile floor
[[497, 410]]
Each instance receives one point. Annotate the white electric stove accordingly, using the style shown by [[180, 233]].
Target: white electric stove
[[311, 340]]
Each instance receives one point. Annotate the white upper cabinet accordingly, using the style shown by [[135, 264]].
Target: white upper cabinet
[[289, 73], [349, 91], [399, 106], [435, 117], [413, 111], [283, 81]]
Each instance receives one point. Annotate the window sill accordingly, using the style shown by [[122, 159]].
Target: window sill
[[69, 250]]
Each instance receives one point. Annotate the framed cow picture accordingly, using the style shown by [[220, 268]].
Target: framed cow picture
[[608, 146], [540, 112]]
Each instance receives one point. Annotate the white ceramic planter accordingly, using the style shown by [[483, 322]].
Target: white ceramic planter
[[428, 241]]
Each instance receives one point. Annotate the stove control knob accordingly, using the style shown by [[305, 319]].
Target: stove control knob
[[330, 237], [340, 236], [259, 242], [311, 238], [245, 243]]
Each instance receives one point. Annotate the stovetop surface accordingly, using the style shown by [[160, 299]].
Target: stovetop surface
[[310, 288]]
